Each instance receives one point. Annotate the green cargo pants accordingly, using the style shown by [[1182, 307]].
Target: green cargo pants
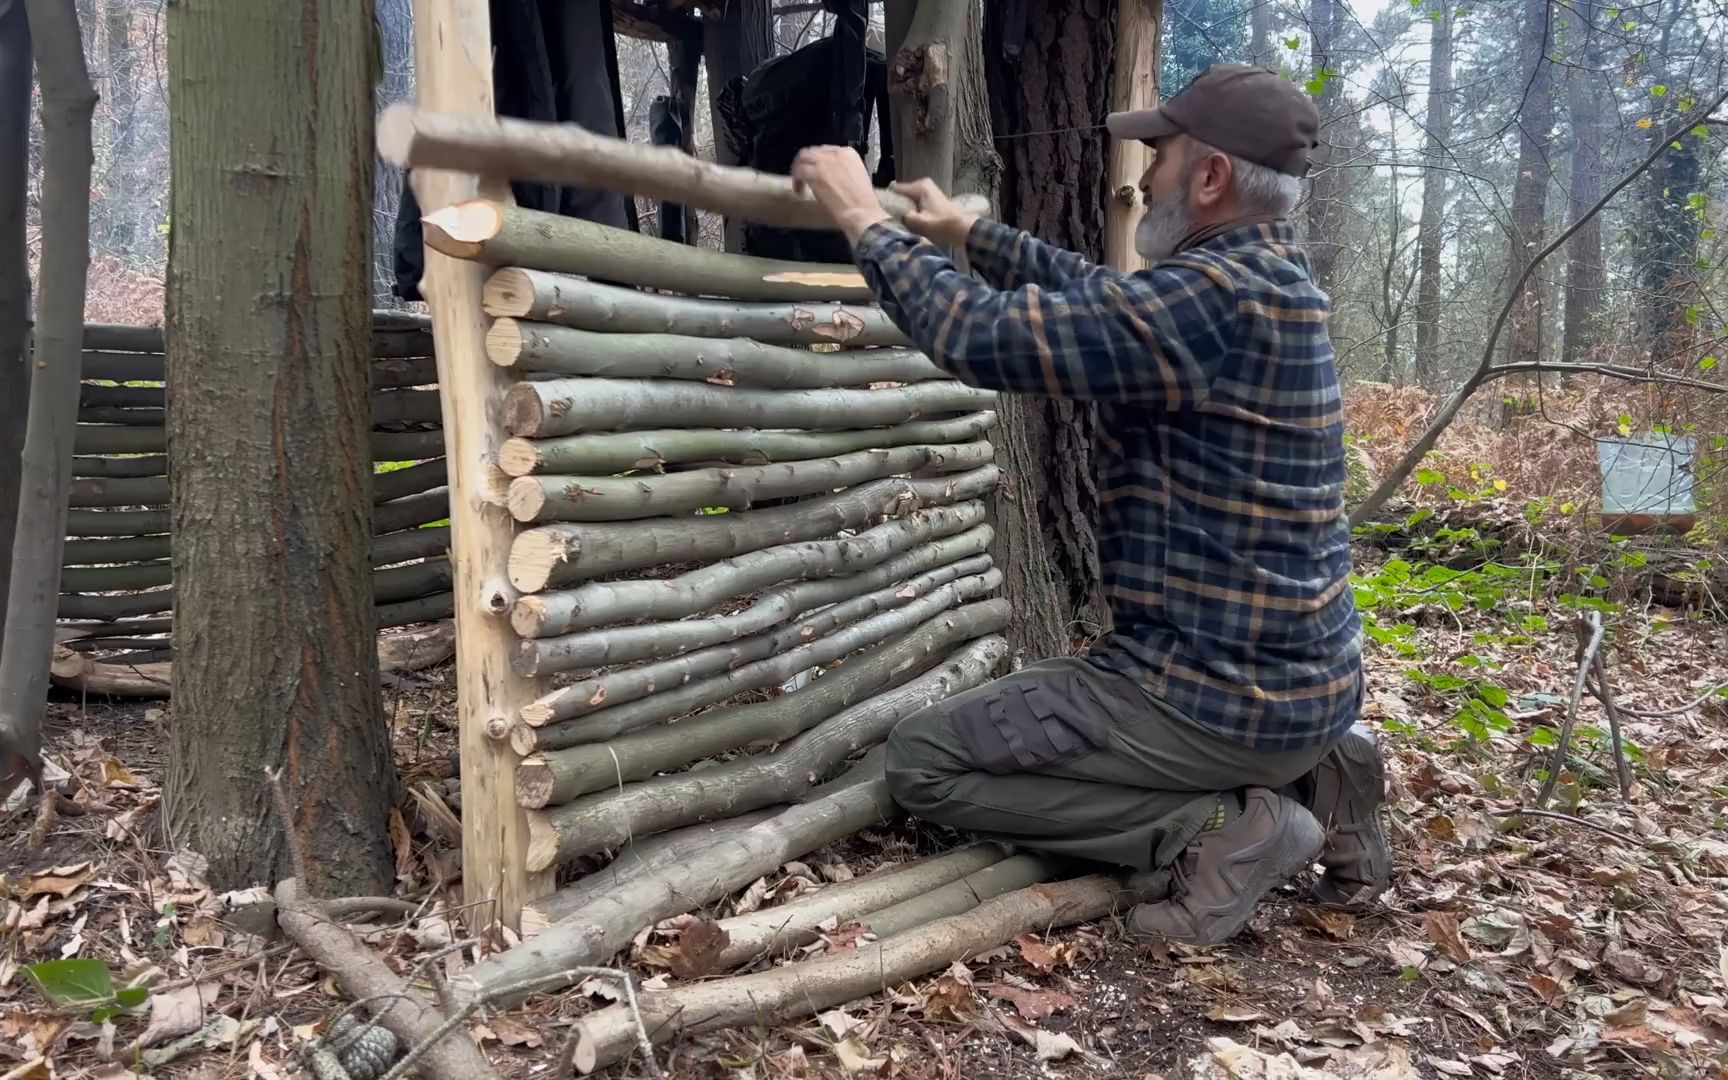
[[1065, 757]]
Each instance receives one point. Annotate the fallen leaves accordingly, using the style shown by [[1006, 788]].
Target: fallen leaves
[[1046, 957]]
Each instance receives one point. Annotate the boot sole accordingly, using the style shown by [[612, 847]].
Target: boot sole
[[1361, 783]]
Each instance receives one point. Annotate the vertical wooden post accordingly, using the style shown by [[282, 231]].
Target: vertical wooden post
[[1134, 85], [453, 73]]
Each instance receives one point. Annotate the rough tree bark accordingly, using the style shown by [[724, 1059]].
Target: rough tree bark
[[270, 465], [1049, 80], [1430, 234], [1535, 172], [14, 271], [1326, 196], [1589, 106], [68, 100]]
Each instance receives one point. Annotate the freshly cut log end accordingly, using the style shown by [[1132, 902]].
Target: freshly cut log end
[[524, 739], [533, 781], [504, 342], [461, 231], [542, 840], [526, 499], [528, 616], [519, 457], [525, 411], [510, 293]]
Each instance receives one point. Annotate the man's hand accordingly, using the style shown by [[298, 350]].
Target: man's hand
[[836, 176], [935, 216]]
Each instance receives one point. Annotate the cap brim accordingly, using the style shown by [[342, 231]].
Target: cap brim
[[1140, 124]]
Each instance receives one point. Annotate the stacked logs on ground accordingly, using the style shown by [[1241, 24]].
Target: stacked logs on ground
[[117, 571]]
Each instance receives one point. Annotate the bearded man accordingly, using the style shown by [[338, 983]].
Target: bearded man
[[1211, 742]]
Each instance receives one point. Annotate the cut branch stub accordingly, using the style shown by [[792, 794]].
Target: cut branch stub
[[594, 823], [510, 236], [556, 776], [623, 644], [563, 554], [545, 348], [616, 452], [591, 305], [568, 406], [605, 498], [571, 154]]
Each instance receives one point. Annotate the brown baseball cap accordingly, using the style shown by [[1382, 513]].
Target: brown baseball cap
[[1254, 113]]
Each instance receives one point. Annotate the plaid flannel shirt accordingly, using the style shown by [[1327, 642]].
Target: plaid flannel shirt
[[1223, 540]]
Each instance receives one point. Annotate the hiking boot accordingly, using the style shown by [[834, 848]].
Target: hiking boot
[[1226, 870], [1346, 792]]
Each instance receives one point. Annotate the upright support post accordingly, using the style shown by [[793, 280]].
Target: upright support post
[[1134, 85], [453, 73]]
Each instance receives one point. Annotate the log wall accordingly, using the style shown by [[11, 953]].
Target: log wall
[[116, 589], [752, 534]]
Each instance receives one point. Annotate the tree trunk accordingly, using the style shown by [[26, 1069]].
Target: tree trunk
[[121, 99], [1589, 107], [737, 36], [14, 273], [1326, 197], [1430, 239], [269, 461], [1049, 84], [1667, 271], [1134, 85], [1530, 190], [68, 100]]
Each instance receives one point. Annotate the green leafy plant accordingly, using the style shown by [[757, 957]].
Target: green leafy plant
[[85, 983]]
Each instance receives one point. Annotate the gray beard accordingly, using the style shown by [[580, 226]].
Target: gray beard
[[1160, 229]]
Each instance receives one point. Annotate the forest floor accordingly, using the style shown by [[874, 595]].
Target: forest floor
[[1588, 942]]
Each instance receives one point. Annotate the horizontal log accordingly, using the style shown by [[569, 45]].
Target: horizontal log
[[84, 606], [394, 547], [416, 479], [120, 468], [406, 407], [421, 609], [139, 575], [598, 603], [614, 452], [411, 581], [625, 644], [103, 414], [396, 584], [774, 931], [783, 995], [592, 305], [600, 821], [567, 406], [137, 491], [414, 138], [490, 232], [121, 439], [99, 404], [558, 776], [73, 631], [105, 678], [552, 555], [911, 603], [536, 499], [956, 897], [394, 333], [556, 733], [91, 395], [408, 366], [544, 348], [423, 509], [386, 517]]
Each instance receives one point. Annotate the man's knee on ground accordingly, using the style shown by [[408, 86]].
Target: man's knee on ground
[[919, 770]]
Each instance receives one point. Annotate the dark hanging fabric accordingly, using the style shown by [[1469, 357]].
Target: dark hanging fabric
[[554, 61], [666, 128], [818, 95]]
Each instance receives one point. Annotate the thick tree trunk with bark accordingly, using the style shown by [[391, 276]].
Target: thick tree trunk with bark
[[1431, 233], [15, 87], [68, 100], [1049, 84], [269, 461], [1590, 109], [1530, 189], [1326, 197]]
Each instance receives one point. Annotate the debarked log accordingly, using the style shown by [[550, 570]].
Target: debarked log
[[490, 232], [593, 305], [600, 821], [97, 439], [588, 720], [411, 138], [774, 931], [606, 453], [787, 993], [568, 406], [553, 555], [735, 487], [919, 598], [543, 347], [557, 776], [658, 877], [624, 644]]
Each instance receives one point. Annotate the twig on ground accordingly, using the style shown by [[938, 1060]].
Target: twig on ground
[[1659, 714], [1574, 819], [1587, 649]]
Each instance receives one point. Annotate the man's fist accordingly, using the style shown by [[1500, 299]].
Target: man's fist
[[836, 177], [935, 215]]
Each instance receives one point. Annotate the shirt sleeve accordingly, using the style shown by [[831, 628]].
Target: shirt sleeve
[[1156, 337], [1008, 258]]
